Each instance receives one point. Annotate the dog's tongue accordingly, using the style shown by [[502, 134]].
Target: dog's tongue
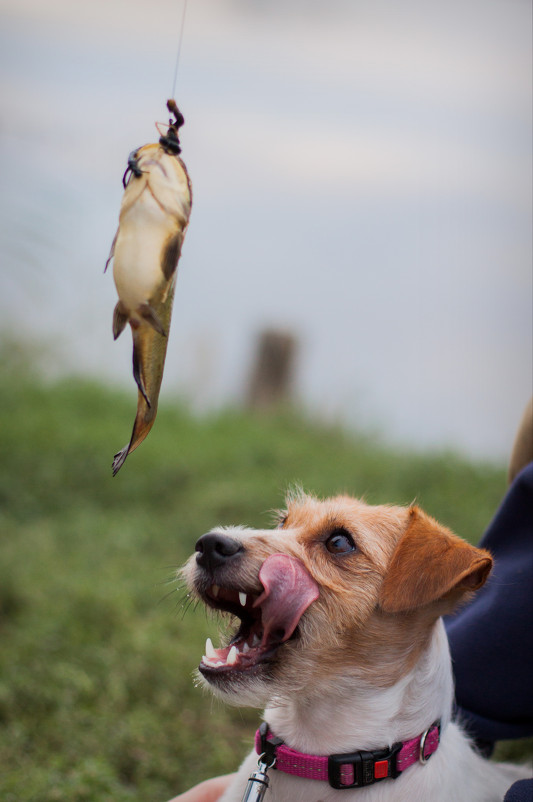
[[289, 590]]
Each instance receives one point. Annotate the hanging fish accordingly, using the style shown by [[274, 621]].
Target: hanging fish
[[153, 218]]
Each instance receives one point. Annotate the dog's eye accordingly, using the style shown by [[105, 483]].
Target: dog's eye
[[340, 542]]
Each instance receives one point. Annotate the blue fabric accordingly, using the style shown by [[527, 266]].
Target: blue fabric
[[491, 639], [522, 791]]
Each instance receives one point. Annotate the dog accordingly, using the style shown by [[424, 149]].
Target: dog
[[340, 638]]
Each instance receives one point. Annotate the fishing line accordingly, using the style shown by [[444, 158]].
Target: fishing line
[[179, 48]]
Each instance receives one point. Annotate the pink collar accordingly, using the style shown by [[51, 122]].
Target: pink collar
[[350, 770]]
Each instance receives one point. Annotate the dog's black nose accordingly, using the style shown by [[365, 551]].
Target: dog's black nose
[[215, 549]]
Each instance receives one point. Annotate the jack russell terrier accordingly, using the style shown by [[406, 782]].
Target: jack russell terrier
[[341, 637]]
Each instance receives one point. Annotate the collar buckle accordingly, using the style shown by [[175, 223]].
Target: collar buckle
[[358, 769], [268, 745]]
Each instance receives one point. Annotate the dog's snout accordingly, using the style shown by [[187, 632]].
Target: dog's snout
[[215, 549]]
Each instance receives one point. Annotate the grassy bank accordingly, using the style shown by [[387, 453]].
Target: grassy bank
[[97, 700]]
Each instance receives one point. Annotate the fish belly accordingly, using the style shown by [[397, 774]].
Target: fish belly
[[142, 234]]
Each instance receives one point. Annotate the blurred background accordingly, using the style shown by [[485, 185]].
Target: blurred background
[[362, 180], [362, 175]]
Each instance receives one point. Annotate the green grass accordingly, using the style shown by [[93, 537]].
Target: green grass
[[97, 700]]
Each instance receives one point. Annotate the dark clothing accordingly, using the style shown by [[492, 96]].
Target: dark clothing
[[522, 791], [491, 639]]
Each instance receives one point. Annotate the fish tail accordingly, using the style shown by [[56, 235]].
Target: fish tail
[[120, 318], [148, 314], [144, 420], [120, 458]]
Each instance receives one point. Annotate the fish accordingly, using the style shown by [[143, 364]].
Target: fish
[[153, 219]]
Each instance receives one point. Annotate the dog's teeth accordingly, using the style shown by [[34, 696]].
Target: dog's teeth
[[209, 650], [242, 599], [232, 656], [256, 641], [214, 590], [245, 648]]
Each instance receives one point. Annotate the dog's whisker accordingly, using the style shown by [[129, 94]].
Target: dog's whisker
[[168, 595]]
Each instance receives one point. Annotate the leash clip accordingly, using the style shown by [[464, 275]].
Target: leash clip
[[258, 781]]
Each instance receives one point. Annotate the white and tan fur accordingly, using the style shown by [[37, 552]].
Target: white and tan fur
[[371, 665]]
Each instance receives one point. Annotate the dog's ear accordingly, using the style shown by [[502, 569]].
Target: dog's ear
[[429, 564]]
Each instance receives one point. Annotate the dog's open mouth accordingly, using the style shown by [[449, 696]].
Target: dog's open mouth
[[267, 620], [249, 645]]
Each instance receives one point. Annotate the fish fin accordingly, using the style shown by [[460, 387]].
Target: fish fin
[[138, 374], [171, 254], [120, 318], [112, 251], [148, 314]]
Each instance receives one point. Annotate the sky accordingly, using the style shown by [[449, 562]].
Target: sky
[[362, 178]]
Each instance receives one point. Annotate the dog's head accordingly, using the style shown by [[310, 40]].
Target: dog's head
[[338, 585]]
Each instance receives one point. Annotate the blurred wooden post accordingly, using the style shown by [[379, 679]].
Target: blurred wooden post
[[272, 370]]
